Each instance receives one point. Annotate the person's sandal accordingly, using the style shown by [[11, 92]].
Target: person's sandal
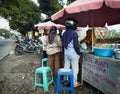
[[77, 85], [66, 84]]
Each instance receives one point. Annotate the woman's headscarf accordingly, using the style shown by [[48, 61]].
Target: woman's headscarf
[[52, 34]]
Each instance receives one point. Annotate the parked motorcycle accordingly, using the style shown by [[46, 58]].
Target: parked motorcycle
[[26, 47]]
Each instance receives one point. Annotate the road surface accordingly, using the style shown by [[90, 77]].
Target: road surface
[[5, 47]]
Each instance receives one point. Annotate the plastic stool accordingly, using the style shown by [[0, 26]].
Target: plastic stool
[[44, 62], [45, 80], [65, 72]]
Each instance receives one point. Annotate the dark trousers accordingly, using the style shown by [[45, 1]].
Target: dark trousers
[[44, 54]]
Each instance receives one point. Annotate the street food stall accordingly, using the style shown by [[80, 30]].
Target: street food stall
[[101, 68], [102, 72]]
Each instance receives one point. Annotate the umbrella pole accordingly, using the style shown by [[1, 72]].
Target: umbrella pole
[[92, 31], [92, 39]]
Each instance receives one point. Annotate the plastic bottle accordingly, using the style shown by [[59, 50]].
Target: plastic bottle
[[116, 47]]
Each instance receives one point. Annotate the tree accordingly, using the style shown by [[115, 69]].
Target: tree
[[62, 2], [21, 14], [5, 33], [70, 1], [49, 7]]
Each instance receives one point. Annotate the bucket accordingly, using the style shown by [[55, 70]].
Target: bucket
[[105, 52]]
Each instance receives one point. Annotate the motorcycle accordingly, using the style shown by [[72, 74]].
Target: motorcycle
[[26, 47]]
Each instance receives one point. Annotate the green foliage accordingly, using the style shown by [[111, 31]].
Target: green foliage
[[117, 35], [5, 33], [21, 14], [62, 3], [49, 7], [70, 1]]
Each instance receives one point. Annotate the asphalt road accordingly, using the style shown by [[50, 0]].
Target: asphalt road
[[5, 47]]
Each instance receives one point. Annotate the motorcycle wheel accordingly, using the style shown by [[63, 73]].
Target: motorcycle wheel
[[18, 50], [37, 51]]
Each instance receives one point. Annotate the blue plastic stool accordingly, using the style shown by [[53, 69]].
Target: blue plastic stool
[[44, 62], [45, 80], [65, 72]]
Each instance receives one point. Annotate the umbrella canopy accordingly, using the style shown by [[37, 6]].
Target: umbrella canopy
[[47, 25], [90, 12]]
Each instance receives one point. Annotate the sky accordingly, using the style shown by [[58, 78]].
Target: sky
[[35, 2], [4, 24]]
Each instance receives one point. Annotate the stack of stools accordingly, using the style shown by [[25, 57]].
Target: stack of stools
[[45, 76], [62, 73]]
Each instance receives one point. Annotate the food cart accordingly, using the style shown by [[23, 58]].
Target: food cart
[[102, 73]]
